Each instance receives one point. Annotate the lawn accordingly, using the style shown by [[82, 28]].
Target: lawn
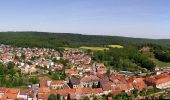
[[94, 48], [115, 46]]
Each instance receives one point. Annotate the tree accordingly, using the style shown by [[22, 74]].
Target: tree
[[10, 65], [12, 72], [23, 56], [108, 72], [122, 96], [34, 80], [95, 97], [55, 76], [86, 98], [94, 85], [52, 97]]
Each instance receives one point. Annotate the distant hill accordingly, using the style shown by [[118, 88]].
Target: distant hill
[[54, 40]]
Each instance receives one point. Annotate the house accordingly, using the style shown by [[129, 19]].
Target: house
[[102, 70], [102, 76], [57, 84], [3, 91], [43, 96], [13, 91], [139, 84], [74, 82], [43, 93], [45, 82], [43, 90], [117, 79], [71, 72], [97, 91], [64, 93], [161, 81], [26, 94], [89, 81], [83, 92], [99, 65], [11, 94], [107, 87], [128, 87], [87, 68]]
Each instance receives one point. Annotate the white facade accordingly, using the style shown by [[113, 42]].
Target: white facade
[[163, 85]]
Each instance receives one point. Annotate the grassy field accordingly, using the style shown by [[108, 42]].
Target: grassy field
[[115, 46], [160, 63], [93, 48], [156, 61]]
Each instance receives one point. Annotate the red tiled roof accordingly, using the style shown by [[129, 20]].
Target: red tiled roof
[[54, 82], [139, 83], [70, 71], [106, 87], [12, 96], [3, 90], [118, 78], [101, 76], [84, 90], [126, 86], [89, 78], [43, 90], [65, 92], [13, 91], [97, 90], [158, 79], [28, 92], [43, 81], [43, 96], [116, 92]]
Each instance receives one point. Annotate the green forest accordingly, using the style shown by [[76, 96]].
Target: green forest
[[55, 40]]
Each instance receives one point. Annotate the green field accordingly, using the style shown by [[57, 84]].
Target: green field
[[115, 46], [156, 61], [94, 48], [160, 63]]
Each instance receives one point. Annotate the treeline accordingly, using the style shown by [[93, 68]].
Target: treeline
[[55, 40], [127, 58]]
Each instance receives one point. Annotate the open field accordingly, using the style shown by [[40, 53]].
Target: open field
[[94, 48], [156, 61], [115, 46], [160, 63]]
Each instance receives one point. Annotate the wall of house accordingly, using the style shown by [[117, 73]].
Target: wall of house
[[163, 85]]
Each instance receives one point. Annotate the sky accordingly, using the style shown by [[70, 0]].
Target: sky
[[131, 18]]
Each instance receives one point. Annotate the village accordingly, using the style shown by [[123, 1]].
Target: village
[[85, 78]]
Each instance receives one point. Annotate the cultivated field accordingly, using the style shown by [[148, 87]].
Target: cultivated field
[[93, 48], [115, 46]]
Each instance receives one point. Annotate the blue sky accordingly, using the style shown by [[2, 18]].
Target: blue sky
[[132, 18]]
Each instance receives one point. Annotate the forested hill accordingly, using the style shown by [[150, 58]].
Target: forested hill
[[45, 39]]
